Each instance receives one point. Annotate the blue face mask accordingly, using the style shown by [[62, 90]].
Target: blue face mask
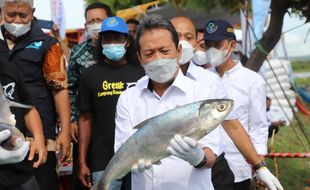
[[114, 52]]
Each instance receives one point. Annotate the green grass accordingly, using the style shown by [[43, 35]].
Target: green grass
[[293, 172], [300, 66]]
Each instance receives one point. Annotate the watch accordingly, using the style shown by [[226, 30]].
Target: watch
[[259, 165], [202, 163]]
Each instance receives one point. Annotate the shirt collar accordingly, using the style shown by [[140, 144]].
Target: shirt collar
[[232, 70], [236, 67], [192, 70], [179, 82]]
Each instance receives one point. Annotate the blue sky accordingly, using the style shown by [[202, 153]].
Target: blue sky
[[294, 40]]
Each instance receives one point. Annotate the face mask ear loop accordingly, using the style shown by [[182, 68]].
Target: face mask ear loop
[[227, 54]]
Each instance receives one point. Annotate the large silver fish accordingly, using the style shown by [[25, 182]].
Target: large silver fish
[[16, 138], [150, 142]]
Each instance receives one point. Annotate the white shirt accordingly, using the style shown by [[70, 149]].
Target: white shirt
[[212, 82], [248, 90], [276, 114], [137, 104]]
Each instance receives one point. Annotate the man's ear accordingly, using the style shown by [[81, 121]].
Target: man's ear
[[127, 44], [179, 52], [139, 58], [233, 44]]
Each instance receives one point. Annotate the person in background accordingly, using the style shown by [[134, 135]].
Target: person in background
[[222, 176], [248, 90], [81, 58], [199, 57], [41, 63], [132, 27], [132, 49], [275, 118], [110, 76], [20, 176]]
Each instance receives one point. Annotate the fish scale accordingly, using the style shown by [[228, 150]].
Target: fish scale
[[150, 141]]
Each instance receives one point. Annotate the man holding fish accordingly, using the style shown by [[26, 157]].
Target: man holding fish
[[165, 88]]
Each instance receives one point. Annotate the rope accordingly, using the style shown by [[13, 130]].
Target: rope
[[300, 123], [288, 155], [294, 28]]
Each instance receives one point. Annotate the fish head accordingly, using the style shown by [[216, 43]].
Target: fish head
[[213, 111], [5, 104], [4, 107]]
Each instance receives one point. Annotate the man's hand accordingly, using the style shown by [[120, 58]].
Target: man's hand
[[264, 175], [278, 123], [55, 31], [186, 149], [63, 145], [141, 166], [13, 156], [84, 176], [38, 146]]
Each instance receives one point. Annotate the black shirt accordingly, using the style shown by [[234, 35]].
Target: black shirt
[[14, 88], [99, 89]]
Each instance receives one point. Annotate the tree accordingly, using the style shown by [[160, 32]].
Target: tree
[[272, 35]]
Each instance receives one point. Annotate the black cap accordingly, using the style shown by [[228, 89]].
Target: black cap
[[218, 30]]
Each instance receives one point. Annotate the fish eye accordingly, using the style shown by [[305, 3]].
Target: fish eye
[[221, 107]]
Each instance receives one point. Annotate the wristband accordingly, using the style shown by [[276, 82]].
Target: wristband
[[259, 165], [202, 163]]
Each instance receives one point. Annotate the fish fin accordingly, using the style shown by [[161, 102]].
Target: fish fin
[[141, 124], [19, 105], [157, 163]]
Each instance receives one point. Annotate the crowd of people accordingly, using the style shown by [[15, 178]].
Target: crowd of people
[[123, 73]]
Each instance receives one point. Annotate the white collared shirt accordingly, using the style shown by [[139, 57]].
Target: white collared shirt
[[211, 82], [137, 104], [248, 90]]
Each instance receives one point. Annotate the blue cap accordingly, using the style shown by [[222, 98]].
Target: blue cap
[[218, 30], [115, 23]]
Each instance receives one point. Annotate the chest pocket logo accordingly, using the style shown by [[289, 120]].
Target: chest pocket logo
[[35, 45]]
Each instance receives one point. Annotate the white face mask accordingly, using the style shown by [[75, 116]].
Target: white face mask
[[93, 29], [187, 52], [217, 57], [17, 30], [200, 58], [161, 70]]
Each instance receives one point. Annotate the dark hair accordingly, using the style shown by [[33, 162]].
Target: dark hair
[[201, 30], [99, 5], [132, 21], [131, 54], [156, 22]]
